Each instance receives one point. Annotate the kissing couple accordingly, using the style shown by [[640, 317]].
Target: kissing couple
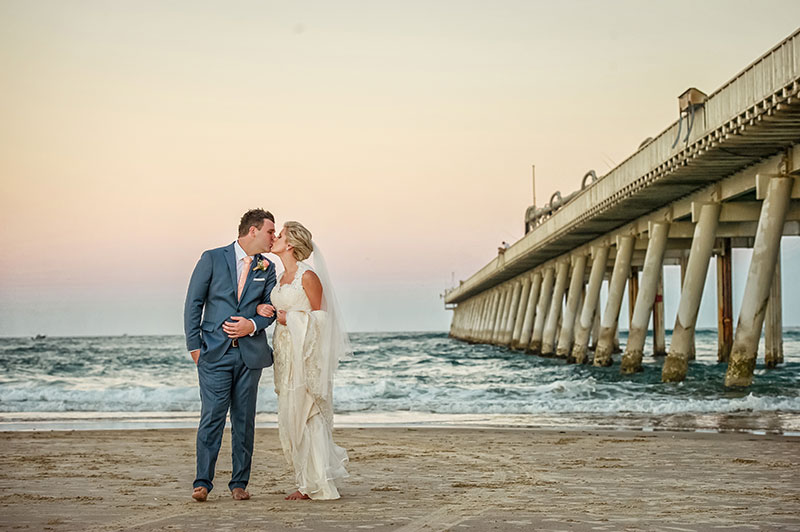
[[234, 295]]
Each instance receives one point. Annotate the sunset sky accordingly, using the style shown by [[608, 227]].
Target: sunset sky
[[135, 134]]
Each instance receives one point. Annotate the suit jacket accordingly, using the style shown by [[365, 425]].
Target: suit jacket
[[211, 300]]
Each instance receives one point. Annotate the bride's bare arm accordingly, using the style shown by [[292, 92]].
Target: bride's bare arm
[[313, 289]]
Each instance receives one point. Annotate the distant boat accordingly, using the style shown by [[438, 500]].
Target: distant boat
[[39, 337]]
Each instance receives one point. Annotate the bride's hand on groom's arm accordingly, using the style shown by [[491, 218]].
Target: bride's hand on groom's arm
[[268, 311], [265, 310]]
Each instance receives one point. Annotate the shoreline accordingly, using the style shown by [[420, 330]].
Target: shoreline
[[756, 423], [410, 479]]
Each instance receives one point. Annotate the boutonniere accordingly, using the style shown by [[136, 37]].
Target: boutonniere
[[262, 265]]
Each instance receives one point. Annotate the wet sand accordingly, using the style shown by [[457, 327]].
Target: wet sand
[[411, 479]]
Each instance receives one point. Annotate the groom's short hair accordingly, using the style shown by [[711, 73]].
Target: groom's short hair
[[254, 217]]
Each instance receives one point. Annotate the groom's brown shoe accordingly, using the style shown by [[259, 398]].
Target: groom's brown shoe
[[200, 494], [239, 494]]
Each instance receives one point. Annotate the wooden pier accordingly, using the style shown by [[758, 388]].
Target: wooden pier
[[724, 176]]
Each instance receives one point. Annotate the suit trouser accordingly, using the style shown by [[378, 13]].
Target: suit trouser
[[223, 384]]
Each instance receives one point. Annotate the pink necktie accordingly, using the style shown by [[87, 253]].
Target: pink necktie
[[243, 276]]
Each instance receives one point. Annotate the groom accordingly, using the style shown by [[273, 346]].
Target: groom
[[226, 339]]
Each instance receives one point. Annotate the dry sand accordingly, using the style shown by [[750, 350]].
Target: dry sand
[[411, 479]]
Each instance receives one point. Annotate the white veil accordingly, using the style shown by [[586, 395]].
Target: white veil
[[335, 345]]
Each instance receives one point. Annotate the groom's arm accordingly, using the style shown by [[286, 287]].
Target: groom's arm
[[260, 321], [195, 299]]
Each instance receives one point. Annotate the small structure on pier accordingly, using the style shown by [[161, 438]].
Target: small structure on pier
[[725, 175]]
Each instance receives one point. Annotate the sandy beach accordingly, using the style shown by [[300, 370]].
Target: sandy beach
[[412, 479]]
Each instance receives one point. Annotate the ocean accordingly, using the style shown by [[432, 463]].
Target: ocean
[[404, 379]]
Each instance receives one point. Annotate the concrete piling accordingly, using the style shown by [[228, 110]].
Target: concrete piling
[[677, 363], [724, 301], [543, 305], [502, 312], [659, 329], [616, 287], [760, 277], [583, 327], [554, 313], [573, 301], [530, 311], [492, 317], [487, 313], [642, 308], [522, 306], [508, 330], [633, 292], [773, 324]]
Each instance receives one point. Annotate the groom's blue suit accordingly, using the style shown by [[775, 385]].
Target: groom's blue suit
[[228, 374]]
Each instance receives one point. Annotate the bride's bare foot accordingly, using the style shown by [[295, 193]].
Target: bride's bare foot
[[296, 496]]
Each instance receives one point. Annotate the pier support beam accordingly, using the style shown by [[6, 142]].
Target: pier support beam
[[651, 274], [773, 329], [487, 299], [554, 314], [677, 363], [475, 328], [659, 329], [487, 338], [760, 278], [476, 334], [542, 307], [724, 302], [522, 306], [460, 319], [595, 328], [633, 293], [464, 313], [453, 326], [573, 301], [616, 289], [585, 321], [530, 312], [508, 330], [502, 312], [684, 264], [460, 328]]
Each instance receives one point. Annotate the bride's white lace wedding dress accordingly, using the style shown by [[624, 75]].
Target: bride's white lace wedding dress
[[304, 384]]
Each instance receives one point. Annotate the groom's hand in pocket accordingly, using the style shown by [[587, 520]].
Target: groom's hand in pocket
[[238, 327], [195, 355]]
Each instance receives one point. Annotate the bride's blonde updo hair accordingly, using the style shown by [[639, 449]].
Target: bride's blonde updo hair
[[299, 238]]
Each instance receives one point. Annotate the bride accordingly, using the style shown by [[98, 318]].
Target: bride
[[308, 342]]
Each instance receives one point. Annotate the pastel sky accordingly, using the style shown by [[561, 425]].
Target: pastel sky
[[135, 134]]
